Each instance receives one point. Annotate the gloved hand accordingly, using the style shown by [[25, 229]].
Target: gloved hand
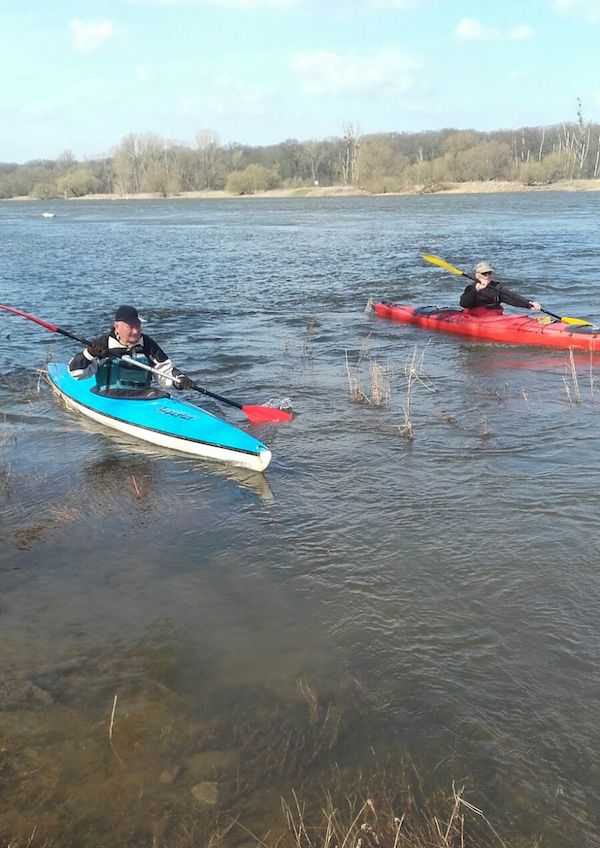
[[183, 382], [97, 350]]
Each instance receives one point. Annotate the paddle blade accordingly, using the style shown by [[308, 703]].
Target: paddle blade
[[435, 260], [578, 322], [266, 414]]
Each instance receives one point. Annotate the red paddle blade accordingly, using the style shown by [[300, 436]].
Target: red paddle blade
[[264, 414]]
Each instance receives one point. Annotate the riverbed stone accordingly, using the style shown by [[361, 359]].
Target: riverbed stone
[[206, 793]]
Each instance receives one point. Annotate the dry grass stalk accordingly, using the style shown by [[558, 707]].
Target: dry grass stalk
[[380, 379], [414, 373], [381, 387], [365, 348], [576, 397], [310, 327], [259, 841], [356, 390], [343, 825], [110, 731], [311, 697], [112, 718], [406, 429], [414, 369]]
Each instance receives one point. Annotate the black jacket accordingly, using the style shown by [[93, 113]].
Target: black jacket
[[493, 295]]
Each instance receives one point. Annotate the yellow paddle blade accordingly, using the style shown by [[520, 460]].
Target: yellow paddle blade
[[579, 322], [435, 260]]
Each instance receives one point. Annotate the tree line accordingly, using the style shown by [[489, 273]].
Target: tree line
[[377, 163]]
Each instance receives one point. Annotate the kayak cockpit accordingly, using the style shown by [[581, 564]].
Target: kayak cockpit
[[149, 393]]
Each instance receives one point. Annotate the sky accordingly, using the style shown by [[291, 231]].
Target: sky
[[78, 76]]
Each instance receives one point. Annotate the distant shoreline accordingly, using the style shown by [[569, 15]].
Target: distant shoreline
[[473, 187]]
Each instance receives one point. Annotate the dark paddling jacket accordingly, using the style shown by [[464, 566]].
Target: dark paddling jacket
[[112, 373], [492, 296]]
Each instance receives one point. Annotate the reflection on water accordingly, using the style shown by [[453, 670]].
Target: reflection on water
[[184, 644]]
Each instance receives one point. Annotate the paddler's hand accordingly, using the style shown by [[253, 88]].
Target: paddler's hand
[[183, 382], [483, 279], [533, 304], [97, 350]]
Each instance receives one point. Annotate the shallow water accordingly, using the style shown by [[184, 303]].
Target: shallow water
[[370, 596]]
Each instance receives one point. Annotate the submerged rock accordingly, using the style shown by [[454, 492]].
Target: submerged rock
[[206, 793], [15, 692]]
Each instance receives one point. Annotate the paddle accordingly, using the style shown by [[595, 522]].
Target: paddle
[[435, 260], [256, 414]]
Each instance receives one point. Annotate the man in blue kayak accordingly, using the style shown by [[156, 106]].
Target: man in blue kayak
[[489, 293], [102, 358]]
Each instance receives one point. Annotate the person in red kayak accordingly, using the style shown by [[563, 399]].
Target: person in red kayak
[[102, 358], [489, 293]]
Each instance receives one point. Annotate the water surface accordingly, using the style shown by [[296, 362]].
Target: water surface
[[372, 595]]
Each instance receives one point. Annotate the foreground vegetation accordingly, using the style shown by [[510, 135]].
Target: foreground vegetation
[[377, 163]]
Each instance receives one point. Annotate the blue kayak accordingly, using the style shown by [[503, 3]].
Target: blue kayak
[[155, 417]]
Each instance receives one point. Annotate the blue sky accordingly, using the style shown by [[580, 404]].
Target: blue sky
[[79, 75]]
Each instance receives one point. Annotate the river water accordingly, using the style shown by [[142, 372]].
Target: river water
[[184, 643]]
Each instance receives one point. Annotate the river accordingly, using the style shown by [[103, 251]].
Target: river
[[167, 624]]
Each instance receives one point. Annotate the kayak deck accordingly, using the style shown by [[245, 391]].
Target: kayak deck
[[163, 421], [494, 326]]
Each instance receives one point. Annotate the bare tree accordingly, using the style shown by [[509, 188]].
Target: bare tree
[[350, 155], [207, 142]]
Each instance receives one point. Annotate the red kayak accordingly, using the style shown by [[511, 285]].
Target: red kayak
[[492, 326]]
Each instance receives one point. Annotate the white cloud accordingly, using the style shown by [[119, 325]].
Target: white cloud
[[471, 30], [323, 72], [89, 35], [589, 10]]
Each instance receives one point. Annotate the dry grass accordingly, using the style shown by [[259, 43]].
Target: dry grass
[[571, 371], [377, 379], [374, 820], [414, 373], [309, 328]]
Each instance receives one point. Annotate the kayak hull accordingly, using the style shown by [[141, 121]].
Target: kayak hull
[[163, 421], [493, 326]]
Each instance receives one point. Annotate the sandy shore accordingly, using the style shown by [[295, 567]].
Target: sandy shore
[[489, 187]]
